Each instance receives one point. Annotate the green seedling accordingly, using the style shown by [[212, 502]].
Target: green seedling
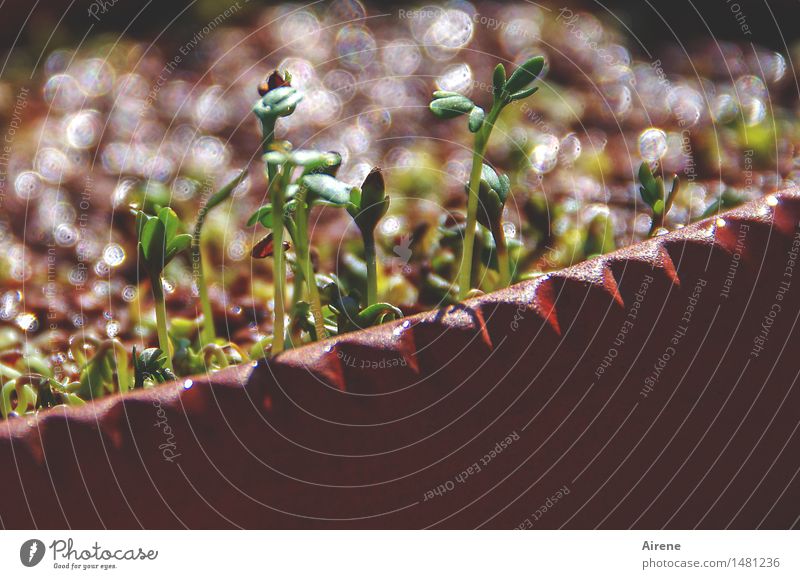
[[653, 193], [367, 207], [447, 105], [208, 334], [151, 366], [160, 243], [292, 202], [492, 194], [110, 361]]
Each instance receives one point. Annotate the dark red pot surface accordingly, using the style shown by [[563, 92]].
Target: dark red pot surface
[[652, 387]]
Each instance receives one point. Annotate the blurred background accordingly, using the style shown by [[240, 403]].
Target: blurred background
[[107, 105]]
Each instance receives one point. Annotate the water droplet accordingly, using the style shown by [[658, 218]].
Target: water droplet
[[401, 57], [28, 185], [9, 304], [754, 111], [62, 92], [569, 149], [450, 32], [52, 164], [345, 11], [187, 384], [749, 86], [544, 154], [77, 275], [184, 188], [66, 235], [112, 329], [95, 76], [375, 122], [209, 153], [78, 320], [101, 269], [652, 144], [129, 293], [300, 29], [772, 201], [83, 129], [113, 255], [723, 108], [390, 225], [457, 78], [341, 83], [27, 322], [355, 46], [510, 229]]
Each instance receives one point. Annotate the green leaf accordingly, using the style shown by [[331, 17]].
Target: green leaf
[[279, 102], [225, 192], [476, 119], [451, 106], [372, 314], [327, 190], [263, 215], [171, 222], [440, 94], [314, 159], [178, 244], [153, 246], [368, 206], [652, 188], [500, 183], [275, 157], [523, 94], [147, 227], [499, 79], [525, 74], [658, 206]]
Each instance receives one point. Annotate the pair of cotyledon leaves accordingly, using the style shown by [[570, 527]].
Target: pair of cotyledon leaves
[[653, 190], [159, 240], [448, 105], [366, 204]]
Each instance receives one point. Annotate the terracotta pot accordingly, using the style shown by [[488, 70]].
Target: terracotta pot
[[652, 387]]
